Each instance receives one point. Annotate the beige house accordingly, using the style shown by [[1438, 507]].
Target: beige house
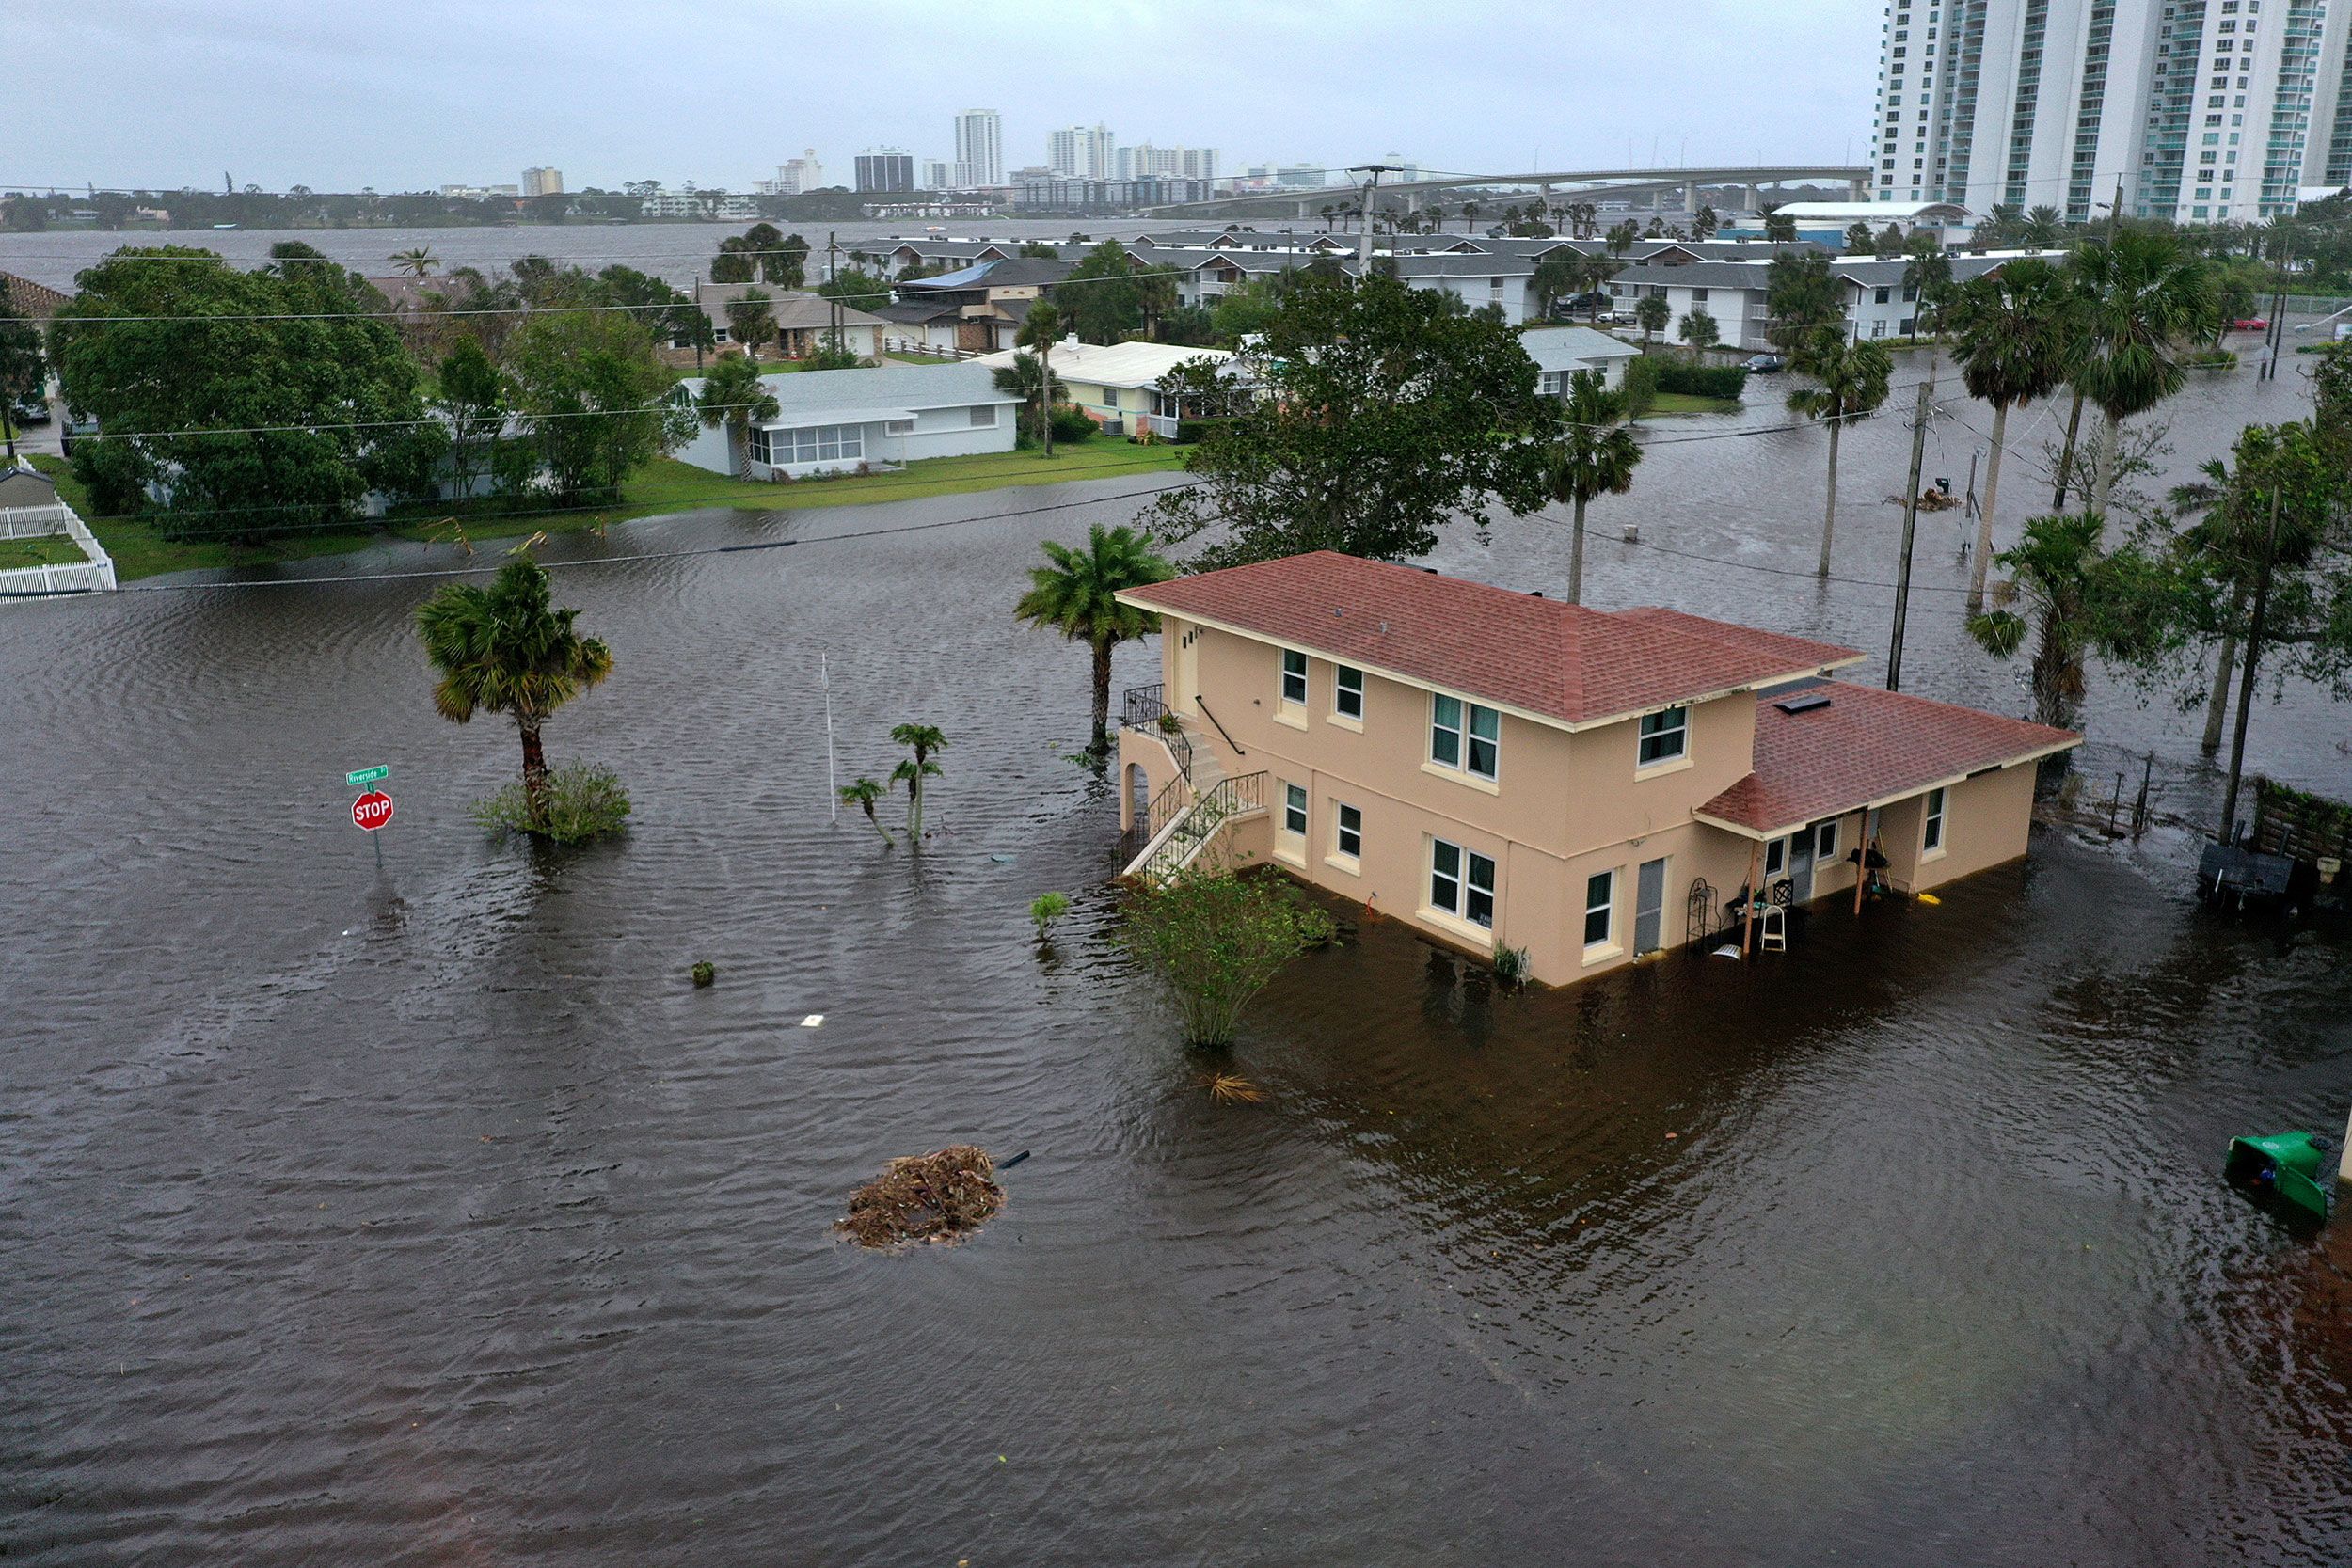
[[1503, 770]]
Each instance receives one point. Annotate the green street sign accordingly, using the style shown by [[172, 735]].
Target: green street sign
[[367, 775]]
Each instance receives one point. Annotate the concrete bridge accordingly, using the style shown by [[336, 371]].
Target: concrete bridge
[[1412, 195]]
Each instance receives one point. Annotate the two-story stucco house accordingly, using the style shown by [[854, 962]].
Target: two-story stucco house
[[1506, 771]]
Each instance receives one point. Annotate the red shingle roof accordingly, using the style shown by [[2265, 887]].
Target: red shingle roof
[[1538, 655], [1867, 746]]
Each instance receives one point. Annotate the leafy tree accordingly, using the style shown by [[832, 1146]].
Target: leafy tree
[[1592, 455], [2144, 300], [1026, 378], [1205, 388], [1383, 417], [1851, 381], [920, 740], [1699, 330], [1214, 940], [471, 399], [1100, 298], [597, 400], [1245, 309], [751, 321], [863, 795], [1039, 250], [290, 395], [1858, 239], [736, 396], [1890, 242], [732, 264], [2013, 335], [1651, 312], [1705, 224], [1800, 298], [506, 649], [857, 288], [1076, 594], [1779, 227], [22, 375], [1928, 279], [1039, 331], [2078, 598]]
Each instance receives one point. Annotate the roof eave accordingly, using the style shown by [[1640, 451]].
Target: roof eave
[[1784, 829]]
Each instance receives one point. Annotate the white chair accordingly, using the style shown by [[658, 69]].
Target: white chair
[[1772, 937]]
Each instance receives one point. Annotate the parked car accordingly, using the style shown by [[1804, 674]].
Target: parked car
[[30, 411], [1584, 304], [1759, 363], [2251, 323]]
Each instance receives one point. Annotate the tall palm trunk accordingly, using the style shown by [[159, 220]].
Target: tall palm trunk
[[2103, 464], [2217, 706], [2050, 673], [1983, 562], [1576, 556], [1045, 396], [534, 769], [2066, 454], [1829, 510], [1102, 744]]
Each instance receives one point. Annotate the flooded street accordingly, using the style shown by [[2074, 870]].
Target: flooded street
[[433, 1217]]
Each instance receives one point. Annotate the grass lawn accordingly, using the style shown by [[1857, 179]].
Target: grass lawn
[[140, 550], [49, 550], [1690, 403], [922, 358]]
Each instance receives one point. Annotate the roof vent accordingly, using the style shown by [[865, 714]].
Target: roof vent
[[1534, 592], [1804, 702]]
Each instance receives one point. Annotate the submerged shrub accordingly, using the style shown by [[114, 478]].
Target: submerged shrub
[[1216, 939], [583, 802]]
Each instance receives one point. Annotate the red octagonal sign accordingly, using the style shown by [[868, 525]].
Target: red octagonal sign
[[371, 810]]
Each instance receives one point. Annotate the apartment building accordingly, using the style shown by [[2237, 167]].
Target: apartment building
[[543, 182], [1502, 770], [979, 143], [885, 168], [2202, 110]]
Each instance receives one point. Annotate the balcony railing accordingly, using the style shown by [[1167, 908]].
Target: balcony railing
[[1193, 832], [1145, 708]]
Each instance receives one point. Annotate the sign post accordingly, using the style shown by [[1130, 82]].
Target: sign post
[[372, 810]]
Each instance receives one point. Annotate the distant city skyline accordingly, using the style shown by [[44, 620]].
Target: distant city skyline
[[473, 94]]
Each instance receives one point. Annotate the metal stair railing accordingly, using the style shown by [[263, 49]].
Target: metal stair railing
[[1243, 795], [1145, 708]]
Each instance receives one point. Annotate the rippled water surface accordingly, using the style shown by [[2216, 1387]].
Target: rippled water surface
[[433, 1217]]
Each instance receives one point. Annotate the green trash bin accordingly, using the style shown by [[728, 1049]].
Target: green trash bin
[[2296, 1168]]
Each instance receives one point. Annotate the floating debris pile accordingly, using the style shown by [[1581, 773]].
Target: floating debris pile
[[941, 1196]]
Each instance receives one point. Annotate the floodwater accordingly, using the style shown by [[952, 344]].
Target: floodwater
[[432, 1216]]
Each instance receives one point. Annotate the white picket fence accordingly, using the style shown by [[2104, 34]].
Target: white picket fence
[[95, 574]]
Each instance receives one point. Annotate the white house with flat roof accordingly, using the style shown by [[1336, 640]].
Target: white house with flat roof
[[1118, 384], [1560, 351], [840, 422]]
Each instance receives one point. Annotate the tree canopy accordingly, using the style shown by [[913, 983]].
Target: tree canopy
[[1383, 418]]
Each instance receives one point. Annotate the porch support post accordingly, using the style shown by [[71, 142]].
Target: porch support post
[[1862, 856], [1747, 905]]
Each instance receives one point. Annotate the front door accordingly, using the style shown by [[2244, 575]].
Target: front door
[[1649, 904], [1800, 868]]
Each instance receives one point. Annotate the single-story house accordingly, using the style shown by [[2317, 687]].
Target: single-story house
[[1118, 384], [1560, 351], [840, 422], [804, 320]]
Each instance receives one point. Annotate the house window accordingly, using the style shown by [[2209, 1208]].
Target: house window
[[1824, 842], [758, 444], [1485, 739], [1665, 734], [1347, 693], [827, 443], [983, 416], [1293, 676], [1350, 837], [1776, 858], [1461, 883], [1445, 731], [1932, 839], [1600, 895], [1295, 808]]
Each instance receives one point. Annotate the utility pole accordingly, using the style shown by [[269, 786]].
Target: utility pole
[[832, 314], [1363, 232], [1910, 523], [2246, 679]]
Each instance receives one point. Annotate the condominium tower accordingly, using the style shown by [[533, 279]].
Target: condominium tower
[[2205, 110], [980, 148]]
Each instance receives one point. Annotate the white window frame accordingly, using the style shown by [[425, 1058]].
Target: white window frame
[[1825, 844], [1341, 856], [983, 416], [1342, 691], [1437, 726], [1935, 810], [1775, 859], [1679, 733], [1464, 878], [1290, 675], [1606, 907]]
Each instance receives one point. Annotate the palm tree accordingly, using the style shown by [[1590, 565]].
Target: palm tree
[[1553, 281], [863, 795], [1779, 227], [2080, 598], [1652, 312], [736, 397], [2144, 299], [1621, 237], [922, 739], [1593, 274], [1038, 334], [1698, 329], [1705, 224], [416, 262], [1077, 595], [1852, 378], [2013, 335], [2040, 229], [1328, 210], [752, 320], [1470, 217], [506, 649], [1592, 455], [1038, 390]]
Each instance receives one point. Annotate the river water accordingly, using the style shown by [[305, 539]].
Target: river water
[[432, 1216]]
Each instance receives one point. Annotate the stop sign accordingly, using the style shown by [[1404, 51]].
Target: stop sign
[[371, 810]]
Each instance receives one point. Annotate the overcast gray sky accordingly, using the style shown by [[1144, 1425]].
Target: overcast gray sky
[[406, 94]]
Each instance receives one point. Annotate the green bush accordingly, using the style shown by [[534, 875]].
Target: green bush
[[1071, 425], [1641, 385], [1045, 909], [1703, 381], [1191, 431], [583, 802]]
